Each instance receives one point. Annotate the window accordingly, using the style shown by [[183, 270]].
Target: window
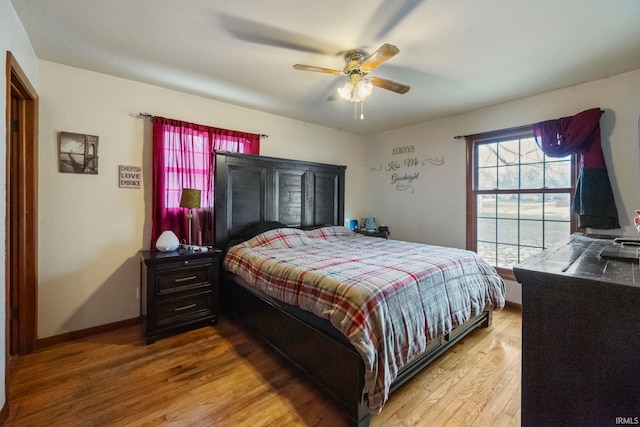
[[196, 163], [519, 198], [183, 158], [194, 159]]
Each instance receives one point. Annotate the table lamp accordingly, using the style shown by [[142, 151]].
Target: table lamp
[[190, 199]]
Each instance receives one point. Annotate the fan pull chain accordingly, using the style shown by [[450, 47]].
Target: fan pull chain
[[355, 110]]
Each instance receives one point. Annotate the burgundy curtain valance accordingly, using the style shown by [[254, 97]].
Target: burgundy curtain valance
[[580, 134]]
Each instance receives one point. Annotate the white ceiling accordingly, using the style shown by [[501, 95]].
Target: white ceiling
[[457, 55]]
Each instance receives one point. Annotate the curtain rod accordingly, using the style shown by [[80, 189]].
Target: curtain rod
[[150, 116]]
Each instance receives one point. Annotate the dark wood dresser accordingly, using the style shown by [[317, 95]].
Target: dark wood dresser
[[580, 336], [178, 291]]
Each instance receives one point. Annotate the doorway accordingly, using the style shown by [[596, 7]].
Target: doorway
[[21, 213]]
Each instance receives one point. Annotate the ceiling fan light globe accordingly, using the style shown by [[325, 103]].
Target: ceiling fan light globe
[[345, 90], [364, 88], [356, 91]]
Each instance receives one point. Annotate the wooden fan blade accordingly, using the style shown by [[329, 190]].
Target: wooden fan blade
[[381, 55], [317, 69], [389, 85]]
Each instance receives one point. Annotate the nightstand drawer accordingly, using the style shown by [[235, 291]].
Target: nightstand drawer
[[190, 305], [184, 277]]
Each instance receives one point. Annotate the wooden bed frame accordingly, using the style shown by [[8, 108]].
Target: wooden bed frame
[[251, 189]]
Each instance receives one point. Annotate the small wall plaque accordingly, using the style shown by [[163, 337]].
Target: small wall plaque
[[130, 176]]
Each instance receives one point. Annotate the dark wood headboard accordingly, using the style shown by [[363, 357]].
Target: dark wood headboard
[[250, 189]]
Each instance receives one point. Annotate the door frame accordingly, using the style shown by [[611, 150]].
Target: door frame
[[21, 220]]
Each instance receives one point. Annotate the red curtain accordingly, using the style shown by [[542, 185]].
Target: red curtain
[[183, 158], [593, 201]]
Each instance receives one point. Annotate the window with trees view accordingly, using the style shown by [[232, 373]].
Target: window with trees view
[[519, 198]]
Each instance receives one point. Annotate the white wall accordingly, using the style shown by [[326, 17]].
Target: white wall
[[89, 229], [14, 39], [435, 212]]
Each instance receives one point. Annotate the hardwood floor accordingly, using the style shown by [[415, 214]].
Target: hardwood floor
[[223, 376]]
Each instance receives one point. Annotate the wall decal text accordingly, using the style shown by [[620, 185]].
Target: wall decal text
[[403, 150], [403, 171]]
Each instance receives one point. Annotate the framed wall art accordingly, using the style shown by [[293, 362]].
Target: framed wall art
[[78, 153]]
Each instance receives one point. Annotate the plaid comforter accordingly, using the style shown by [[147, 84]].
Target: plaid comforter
[[388, 297]]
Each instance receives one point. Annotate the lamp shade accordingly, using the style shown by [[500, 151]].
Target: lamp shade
[[190, 198]]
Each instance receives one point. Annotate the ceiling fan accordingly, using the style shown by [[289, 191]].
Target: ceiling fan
[[358, 66]]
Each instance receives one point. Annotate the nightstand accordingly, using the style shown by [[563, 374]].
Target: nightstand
[[178, 291], [383, 234]]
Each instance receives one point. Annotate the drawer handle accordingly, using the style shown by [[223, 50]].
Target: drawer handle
[[185, 279], [186, 307]]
